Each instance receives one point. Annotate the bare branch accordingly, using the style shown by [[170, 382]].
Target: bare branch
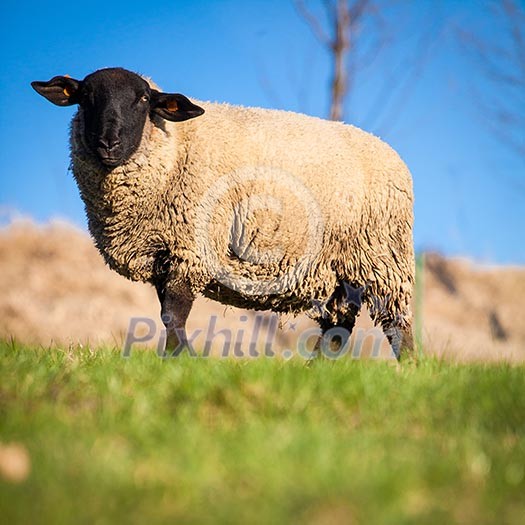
[[517, 21], [338, 25], [343, 20], [503, 67], [340, 48], [331, 12], [426, 44], [313, 22]]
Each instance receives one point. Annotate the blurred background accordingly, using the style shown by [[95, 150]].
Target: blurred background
[[442, 82]]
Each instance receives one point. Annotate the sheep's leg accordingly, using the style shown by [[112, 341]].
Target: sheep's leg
[[334, 340], [176, 302], [337, 319], [395, 318], [399, 336]]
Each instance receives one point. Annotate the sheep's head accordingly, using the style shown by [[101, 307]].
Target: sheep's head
[[115, 104]]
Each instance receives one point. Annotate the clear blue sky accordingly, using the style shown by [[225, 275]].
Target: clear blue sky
[[469, 188]]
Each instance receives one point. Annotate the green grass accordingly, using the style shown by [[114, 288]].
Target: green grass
[[224, 441]]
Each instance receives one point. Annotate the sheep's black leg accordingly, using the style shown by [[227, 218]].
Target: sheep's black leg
[[399, 336], [337, 319], [334, 336], [336, 328], [176, 302]]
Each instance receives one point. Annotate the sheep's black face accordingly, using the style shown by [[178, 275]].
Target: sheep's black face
[[115, 104]]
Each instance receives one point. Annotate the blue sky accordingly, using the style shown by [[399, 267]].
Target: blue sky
[[469, 187]]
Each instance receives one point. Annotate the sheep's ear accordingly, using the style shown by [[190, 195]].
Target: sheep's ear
[[173, 106], [62, 91]]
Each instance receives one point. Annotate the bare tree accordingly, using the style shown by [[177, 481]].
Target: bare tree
[[355, 33], [344, 18], [502, 63]]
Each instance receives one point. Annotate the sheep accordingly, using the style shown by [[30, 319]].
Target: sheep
[[255, 208]]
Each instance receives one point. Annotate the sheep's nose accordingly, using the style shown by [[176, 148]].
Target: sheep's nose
[[108, 144], [109, 151]]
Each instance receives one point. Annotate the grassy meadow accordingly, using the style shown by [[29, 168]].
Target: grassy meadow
[[142, 440]]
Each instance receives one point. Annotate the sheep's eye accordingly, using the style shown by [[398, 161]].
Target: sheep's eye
[[144, 98]]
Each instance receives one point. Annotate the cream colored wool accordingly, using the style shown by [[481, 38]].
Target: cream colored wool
[[296, 203]]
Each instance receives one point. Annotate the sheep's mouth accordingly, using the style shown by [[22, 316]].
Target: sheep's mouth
[[111, 162], [113, 159]]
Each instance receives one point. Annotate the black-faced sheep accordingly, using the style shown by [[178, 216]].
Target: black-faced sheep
[[255, 208]]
